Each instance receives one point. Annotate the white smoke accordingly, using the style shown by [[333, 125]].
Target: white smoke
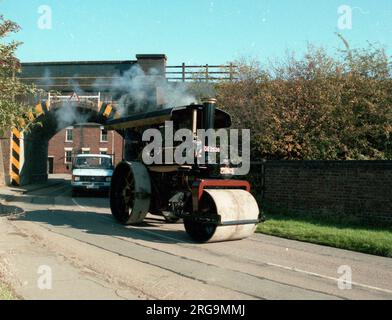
[[135, 91], [175, 94], [46, 80], [67, 114], [75, 85], [145, 92]]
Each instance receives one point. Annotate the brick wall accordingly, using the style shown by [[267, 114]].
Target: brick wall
[[362, 188], [83, 137]]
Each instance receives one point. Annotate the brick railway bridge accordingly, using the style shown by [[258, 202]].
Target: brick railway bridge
[[84, 90]]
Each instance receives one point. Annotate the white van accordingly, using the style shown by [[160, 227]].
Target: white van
[[91, 172]]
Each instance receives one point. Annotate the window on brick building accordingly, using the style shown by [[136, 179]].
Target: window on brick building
[[67, 156], [104, 135], [69, 134], [85, 150], [102, 151]]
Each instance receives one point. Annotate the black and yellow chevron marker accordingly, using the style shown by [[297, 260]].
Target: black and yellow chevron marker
[[15, 157], [101, 108], [107, 111], [40, 109], [46, 105]]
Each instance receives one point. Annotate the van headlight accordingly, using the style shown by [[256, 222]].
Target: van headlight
[[108, 179], [77, 179]]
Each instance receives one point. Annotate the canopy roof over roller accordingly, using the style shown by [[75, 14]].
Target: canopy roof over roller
[[178, 115]]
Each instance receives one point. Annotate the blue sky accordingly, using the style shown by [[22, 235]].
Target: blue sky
[[192, 31]]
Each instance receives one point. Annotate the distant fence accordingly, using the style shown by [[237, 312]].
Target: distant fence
[[357, 188], [203, 73]]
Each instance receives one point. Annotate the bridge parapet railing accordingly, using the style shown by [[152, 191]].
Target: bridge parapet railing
[[202, 73], [91, 101]]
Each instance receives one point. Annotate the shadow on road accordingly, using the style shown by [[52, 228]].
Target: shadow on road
[[104, 224], [6, 210], [91, 194], [46, 197]]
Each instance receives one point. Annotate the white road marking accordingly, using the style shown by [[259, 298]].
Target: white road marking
[[79, 205], [327, 277], [286, 267], [293, 269]]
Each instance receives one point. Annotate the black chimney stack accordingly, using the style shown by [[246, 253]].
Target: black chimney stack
[[209, 113]]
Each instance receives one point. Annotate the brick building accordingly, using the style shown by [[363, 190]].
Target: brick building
[[86, 138]]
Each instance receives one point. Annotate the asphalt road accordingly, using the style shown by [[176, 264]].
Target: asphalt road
[[90, 256]]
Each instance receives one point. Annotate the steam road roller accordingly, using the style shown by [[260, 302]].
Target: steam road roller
[[213, 205]]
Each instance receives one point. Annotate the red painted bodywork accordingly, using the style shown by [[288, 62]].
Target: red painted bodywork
[[199, 186]]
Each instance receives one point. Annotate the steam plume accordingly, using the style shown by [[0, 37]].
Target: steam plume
[[141, 92]]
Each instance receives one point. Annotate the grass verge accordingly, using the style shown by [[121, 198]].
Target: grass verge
[[331, 231], [5, 293]]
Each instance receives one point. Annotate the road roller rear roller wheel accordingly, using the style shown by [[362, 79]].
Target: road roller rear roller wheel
[[238, 212], [130, 193]]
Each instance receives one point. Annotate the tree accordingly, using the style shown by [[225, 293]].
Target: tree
[[315, 107], [14, 109]]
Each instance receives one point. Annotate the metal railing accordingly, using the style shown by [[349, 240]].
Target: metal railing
[[202, 73]]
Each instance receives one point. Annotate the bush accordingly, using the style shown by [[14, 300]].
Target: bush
[[317, 107]]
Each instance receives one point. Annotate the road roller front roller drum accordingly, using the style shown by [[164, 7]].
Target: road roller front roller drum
[[236, 210]]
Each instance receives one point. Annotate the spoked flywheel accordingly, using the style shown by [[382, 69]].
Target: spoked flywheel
[[130, 193]]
